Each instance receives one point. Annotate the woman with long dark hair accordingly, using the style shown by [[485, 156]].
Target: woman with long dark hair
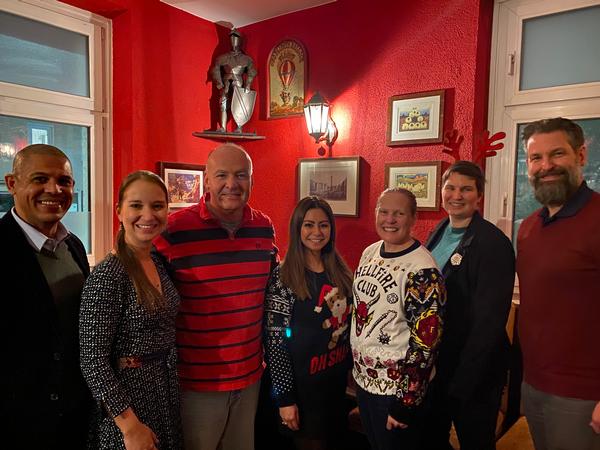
[[307, 321], [127, 329]]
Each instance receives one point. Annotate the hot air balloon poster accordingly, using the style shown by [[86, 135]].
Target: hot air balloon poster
[[287, 76]]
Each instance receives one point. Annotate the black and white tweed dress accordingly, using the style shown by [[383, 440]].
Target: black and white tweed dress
[[112, 326]]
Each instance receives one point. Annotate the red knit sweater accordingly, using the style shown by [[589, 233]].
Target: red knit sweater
[[559, 319]]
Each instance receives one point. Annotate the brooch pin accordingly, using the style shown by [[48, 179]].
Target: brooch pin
[[456, 259]]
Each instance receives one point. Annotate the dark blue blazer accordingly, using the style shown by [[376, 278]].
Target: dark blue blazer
[[475, 348], [38, 382]]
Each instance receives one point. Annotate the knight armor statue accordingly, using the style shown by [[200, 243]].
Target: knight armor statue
[[228, 75]]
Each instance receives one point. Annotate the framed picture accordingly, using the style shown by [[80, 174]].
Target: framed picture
[[415, 118], [333, 179], [421, 178], [185, 183], [286, 80]]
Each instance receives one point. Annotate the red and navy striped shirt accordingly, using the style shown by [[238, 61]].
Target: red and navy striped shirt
[[221, 280]]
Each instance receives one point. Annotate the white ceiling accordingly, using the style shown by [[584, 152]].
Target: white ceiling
[[242, 12]]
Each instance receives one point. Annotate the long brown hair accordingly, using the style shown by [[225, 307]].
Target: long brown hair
[[293, 268], [147, 295]]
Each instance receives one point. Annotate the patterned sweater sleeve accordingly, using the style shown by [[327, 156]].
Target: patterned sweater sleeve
[[278, 310], [101, 304], [424, 304]]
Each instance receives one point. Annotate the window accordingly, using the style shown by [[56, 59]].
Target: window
[[39, 55], [545, 63], [571, 34], [17, 132], [524, 201], [55, 89]]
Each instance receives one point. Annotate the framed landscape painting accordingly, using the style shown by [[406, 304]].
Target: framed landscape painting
[[185, 183], [415, 118], [336, 180], [421, 178]]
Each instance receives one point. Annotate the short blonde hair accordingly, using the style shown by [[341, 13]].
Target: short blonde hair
[[412, 200]]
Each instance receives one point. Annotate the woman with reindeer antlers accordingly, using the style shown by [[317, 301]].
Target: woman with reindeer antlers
[[478, 264], [399, 302], [307, 321]]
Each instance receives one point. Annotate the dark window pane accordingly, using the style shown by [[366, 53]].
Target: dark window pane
[[17, 132], [39, 55]]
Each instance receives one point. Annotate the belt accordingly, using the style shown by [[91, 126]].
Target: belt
[[135, 362]]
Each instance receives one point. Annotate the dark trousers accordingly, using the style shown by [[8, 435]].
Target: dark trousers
[[267, 423], [67, 431], [474, 420], [373, 415]]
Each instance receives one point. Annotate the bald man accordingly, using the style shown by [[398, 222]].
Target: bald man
[[44, 401], [221, 252]]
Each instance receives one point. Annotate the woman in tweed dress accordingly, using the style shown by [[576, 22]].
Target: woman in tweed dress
[[127, 329]]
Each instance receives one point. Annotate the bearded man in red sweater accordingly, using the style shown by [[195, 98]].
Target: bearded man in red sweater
[[558, 263]]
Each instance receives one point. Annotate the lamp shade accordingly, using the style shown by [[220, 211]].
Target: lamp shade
[[316, 113]]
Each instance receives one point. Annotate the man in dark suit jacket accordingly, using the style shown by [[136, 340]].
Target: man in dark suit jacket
[[44, 401], [478, 264]]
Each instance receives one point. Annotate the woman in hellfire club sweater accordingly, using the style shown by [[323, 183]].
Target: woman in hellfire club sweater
[[399, 301]]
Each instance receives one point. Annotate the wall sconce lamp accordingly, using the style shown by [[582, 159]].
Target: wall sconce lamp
[[320, 126]]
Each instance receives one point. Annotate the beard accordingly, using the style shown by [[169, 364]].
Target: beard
[[555, 193]]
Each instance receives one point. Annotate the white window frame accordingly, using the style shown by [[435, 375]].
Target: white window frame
[[509, 106], [93, 111]]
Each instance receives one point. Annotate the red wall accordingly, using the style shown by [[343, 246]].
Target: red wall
[[161, 88], [358, 56]]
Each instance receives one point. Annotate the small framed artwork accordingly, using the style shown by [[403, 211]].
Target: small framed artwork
[[421, 178], [415, 118], [286, 80], [333, 179], [185, 183]]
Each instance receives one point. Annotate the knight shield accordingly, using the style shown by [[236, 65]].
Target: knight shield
[[242, 105]]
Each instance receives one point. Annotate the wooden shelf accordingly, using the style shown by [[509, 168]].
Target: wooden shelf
[[220, 136]]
